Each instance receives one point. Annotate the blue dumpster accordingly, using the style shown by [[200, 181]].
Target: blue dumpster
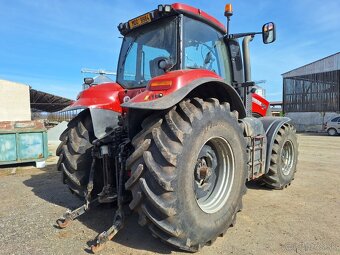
[[24, 141]]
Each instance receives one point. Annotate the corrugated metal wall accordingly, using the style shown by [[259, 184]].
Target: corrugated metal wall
[[327, 64], [318, 92]]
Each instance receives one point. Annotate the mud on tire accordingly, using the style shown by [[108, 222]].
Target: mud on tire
[[162, 172], [74, 153]]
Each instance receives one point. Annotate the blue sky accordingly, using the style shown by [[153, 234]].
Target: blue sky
[[45, 43]]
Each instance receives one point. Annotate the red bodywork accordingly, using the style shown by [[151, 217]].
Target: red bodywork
[[110, 96], [259, 105], [198, 12], [107, 96], [103, 96], [178, 79]]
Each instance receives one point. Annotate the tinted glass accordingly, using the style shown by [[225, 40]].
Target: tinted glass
[[204, 48], [143, 48]]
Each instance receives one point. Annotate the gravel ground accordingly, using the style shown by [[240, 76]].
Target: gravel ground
[[303, 219]]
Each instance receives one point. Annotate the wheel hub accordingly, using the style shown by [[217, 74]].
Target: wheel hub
[[213, 174], [202, 171], [287, 157]]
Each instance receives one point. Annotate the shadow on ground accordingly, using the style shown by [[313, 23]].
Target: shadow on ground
[[48, 186], [314, 134], [14, 165], [257, 185]]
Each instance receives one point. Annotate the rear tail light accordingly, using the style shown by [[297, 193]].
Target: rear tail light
[[160, 85]]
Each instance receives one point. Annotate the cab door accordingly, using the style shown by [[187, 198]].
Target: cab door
[[204, 48]]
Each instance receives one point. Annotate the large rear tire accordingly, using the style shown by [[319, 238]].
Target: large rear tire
[[188, 172], [74, 153], [283, 159]]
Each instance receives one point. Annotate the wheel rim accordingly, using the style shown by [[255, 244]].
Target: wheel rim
[[214, 174], [287, 157], [331, 132]]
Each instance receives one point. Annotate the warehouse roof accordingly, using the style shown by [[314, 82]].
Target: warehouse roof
[[327, 64], [42, 101]]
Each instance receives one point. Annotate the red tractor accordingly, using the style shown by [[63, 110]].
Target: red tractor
[[174, 137]]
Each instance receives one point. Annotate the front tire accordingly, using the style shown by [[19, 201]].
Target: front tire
[[167, 171], [75, 158], [283, 159]]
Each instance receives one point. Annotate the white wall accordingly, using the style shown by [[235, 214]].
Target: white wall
[[310, 121], [14, 101]]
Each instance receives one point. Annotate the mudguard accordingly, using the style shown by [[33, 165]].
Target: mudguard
[[183, 82], [103, 102], [102, 96], [253, 128], [271, 126]]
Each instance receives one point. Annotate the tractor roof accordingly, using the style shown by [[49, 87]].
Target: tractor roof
[[198, 13], [168, 10]]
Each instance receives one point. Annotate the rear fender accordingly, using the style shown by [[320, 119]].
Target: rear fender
[[271, 126], [201, 83]]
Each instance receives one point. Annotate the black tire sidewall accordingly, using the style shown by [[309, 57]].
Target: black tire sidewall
[[201, 225], [85, 159], [286, 179]]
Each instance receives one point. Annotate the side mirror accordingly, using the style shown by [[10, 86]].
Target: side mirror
[[268, 33], [88, 81]]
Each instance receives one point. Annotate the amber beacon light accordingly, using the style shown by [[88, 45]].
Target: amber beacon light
[[228, 11]]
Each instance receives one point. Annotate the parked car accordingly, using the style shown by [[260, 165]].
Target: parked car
[[333, 126]]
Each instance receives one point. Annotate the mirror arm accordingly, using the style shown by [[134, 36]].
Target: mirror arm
[[239, 35]]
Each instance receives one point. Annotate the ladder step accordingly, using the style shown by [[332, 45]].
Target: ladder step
[[255, 148], [255, 163]]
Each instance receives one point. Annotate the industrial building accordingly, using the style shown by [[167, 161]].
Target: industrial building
[[21, 138], [276, 108], [14, 101], [311, 93], [19, 101]]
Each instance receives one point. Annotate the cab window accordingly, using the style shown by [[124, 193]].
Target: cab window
[[143, 48], [204, 48]]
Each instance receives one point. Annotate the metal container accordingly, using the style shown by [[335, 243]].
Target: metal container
[[24, 141]]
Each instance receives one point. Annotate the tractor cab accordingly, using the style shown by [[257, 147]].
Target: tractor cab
[[181, 37], [172, 37]]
